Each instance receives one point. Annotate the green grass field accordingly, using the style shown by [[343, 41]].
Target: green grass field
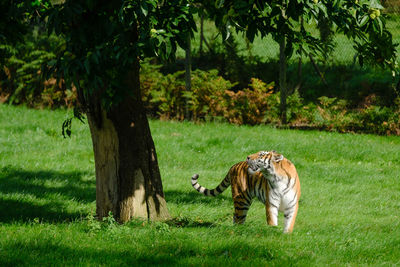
[[349, 212]]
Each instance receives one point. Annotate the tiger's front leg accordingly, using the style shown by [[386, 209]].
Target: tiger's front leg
[[272, 214], [290, 218]]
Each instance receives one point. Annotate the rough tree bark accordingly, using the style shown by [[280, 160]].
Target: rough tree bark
[[128, 181], [188, 74], [282, 79], [201, 33]]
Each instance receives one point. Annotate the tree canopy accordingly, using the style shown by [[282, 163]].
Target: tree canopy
[[288, 22], [104, 39], [362, 21], [13, 24]]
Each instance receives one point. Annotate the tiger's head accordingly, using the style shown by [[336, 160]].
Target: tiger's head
[[264, 162]]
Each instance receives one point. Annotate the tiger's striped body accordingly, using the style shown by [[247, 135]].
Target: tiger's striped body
[[283, 186], [245, 187], [249, 183]]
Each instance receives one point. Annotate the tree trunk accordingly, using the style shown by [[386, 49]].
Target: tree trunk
[[128, 181], [282, 79], [188, 74], [201, 33]]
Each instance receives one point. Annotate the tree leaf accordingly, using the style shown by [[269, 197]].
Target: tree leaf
[[364, 20], [322, 7], [66, 128], [168, 47], [87, 65], [219, 3], [380, 25], [144, 8]]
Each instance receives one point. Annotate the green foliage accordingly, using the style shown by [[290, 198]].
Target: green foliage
[[11, 23], [166, 95], [104, 40], [331, 113], [161, 227], [382, 120], [163, 94], [335, 115], [92, 223], [248, 106], [48, 189], [108, 225], [210, 97], [23, 82], [14, 22], [214, 98], [21, 56], [298, 112], [207, 90], [360, 21]]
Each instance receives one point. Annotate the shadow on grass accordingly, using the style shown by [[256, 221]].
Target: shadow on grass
[[189, 223], [26, 195], [23, 211], [47, 253], [173, 252], [41, 194], [193, 197]]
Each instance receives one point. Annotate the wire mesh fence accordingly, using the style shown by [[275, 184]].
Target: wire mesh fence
[[343, 52], [392, 6]]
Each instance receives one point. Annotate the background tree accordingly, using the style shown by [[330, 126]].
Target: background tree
[[12, 24], [361, 21], [104, 43]]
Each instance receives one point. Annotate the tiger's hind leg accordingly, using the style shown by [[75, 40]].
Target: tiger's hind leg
[[242, 205]]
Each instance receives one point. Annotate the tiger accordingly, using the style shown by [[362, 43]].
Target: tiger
[[283, 186], [249, 180]]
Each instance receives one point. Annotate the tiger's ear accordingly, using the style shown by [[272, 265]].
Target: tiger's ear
[[278, 157]]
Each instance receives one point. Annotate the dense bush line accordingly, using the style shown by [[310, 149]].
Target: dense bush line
[[212, 98], [22, 80]]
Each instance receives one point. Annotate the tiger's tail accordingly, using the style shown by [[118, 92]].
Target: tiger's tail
[[211, 192]]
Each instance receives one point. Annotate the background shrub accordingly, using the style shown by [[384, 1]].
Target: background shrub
[[21, 79], [250, 105]]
